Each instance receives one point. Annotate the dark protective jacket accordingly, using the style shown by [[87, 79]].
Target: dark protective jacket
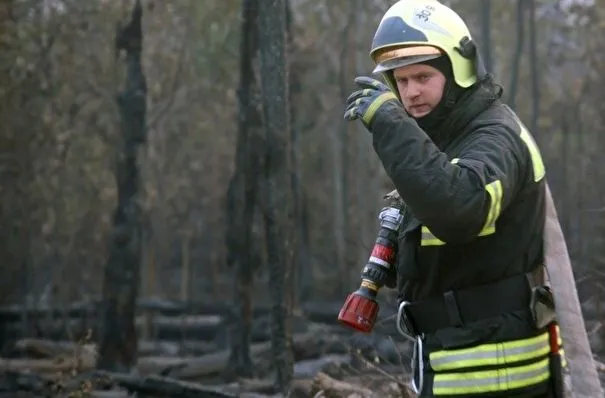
[[474, 216]]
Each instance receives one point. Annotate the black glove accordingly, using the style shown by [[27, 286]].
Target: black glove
[[364, 103]]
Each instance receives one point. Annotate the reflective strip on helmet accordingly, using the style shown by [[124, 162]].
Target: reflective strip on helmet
[[491, 354], [488, 381], [495, 193]]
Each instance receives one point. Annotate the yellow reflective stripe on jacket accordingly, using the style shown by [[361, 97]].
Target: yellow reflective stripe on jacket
[[491, 354], [494, 189], [428, 239], [534, 152], [487, 381]]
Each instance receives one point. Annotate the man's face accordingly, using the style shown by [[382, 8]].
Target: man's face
[[420, 88]]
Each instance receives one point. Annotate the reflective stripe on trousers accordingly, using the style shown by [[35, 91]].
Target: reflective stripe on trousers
[[520, 363]]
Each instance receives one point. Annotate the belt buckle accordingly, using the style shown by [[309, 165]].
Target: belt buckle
[[404, 323]]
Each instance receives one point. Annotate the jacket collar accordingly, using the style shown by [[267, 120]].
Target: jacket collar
[[470, 104]]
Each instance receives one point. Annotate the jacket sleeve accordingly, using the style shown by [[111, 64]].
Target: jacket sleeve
[[456, 200]]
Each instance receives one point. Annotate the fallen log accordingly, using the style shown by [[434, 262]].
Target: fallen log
[[324, 385], [305, 346], [105, 394], [198, 327], [50, 366], [13, 381], [175, 348], [361, 386], [159, 385], [51, 349], [319, 311], [197, 367], [43, 348], [14, 313], [168, 327], [310, 367], [162, 386], [65, 356]]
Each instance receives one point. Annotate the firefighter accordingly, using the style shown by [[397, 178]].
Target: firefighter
[[470, 276]]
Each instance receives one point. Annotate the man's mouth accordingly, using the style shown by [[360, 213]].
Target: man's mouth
[[420, 108]]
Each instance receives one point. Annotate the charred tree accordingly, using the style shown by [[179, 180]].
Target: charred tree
[[122, 272], [340, 199], [277, 193], [486, 34], [516, 62], [243, 251], [534, 64], [303, 273]]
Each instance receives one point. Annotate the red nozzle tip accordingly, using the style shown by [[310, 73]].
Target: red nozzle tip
[[359, 313]]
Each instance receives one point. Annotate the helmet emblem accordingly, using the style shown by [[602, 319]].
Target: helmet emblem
[[425, 13]]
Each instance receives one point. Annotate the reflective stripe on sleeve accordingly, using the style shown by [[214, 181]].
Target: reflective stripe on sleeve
[[428, 239], [494, 189]]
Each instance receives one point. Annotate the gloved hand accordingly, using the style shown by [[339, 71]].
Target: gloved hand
[[364, 103]]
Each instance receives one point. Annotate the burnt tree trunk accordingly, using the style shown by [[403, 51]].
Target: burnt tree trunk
[[242, 195], [122, 272], [278, 195], [342, 200], [516, 62], [534, 65], [486, 34], [302, 267]]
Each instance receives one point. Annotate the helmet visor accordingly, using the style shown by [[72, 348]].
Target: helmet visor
[[399, 62], [389, 58]]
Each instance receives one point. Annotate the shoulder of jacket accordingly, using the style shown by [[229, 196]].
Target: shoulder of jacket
[[498, 120], [502, 124]]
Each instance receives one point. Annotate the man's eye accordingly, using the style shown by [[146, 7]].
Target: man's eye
[[424, 78]]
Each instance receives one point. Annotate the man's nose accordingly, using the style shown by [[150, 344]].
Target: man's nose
[[412, 90]]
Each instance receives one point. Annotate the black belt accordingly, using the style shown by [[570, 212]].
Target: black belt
[[454, 308]]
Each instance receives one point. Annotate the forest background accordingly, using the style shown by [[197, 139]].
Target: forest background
[[139, 167]]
